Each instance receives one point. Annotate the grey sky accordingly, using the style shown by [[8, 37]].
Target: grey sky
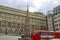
[[34, 5]]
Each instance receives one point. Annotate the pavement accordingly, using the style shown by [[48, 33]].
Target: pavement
[[6, 37]]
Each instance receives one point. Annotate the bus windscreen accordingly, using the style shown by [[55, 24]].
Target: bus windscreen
[[45, 33]]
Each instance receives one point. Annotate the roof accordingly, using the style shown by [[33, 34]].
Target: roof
[[43, 31], [39, 31]]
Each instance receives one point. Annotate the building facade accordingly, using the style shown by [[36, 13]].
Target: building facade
[[50, 20], [55, 19], [13, 21]]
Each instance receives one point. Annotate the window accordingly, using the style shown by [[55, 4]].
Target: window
[[42, 19], [9, 24], [48, 33], [56, 25], [0, 15], [0, 23], [50, 27], [59, 36], [18, 25], [45, 33], [33, 21], [5, 14], [59, 24], [57, 29], [55, 21], [59, 20], [18, 17], [32, 26], [4, 22]]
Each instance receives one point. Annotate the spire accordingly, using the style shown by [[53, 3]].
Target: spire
[[27, 25], [27, 9]]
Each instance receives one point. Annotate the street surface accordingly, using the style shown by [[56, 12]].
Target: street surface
[[6, 37]]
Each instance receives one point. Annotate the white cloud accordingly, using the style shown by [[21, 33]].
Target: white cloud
[[34, 5], [55, 2], [9, 1], [38, 4], [31, 9], [18, 2], [26, 0]]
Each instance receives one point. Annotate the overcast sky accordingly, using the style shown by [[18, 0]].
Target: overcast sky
[[34, 5]]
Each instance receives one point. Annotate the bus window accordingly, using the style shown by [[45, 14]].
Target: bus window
[[59, 36], [50, 33], [44, 39]]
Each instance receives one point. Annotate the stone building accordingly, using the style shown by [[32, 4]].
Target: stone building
[[54, 18], [50, 20], [13, 21]]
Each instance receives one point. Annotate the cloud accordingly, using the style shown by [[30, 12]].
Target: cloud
[[56, 2], [38, 4], [26, 0], [31, 9], [43, 5], [9, 1], [34, 5]]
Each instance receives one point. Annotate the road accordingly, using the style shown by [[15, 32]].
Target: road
[[6, 37]]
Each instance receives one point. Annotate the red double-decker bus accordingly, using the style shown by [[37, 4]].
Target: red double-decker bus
[[44, 35]]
